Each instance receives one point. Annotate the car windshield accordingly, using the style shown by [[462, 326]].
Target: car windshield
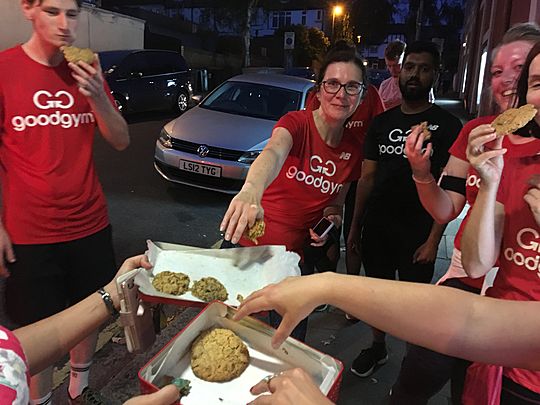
[[253, 99]]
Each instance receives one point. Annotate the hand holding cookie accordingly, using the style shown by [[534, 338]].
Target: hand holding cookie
[[417, 155], [243, 212], [485, 154], [86, 71]]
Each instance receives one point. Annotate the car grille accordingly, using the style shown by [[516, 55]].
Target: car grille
[[224, 184], [217, 153]]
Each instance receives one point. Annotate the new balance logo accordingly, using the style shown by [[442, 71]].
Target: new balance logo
[[345, 156]]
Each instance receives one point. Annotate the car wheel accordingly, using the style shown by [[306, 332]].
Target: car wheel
[[182, 102]]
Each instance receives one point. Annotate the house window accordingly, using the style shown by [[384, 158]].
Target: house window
[[319, 15], [304, 17], [281, 19]]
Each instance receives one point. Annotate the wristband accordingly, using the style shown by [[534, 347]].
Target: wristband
[[106, 297], [432, 180], [453, 183]]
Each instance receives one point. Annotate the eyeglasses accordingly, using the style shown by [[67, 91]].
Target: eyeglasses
[[351, 88]]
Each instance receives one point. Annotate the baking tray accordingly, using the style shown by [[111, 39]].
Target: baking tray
[[174, 360]]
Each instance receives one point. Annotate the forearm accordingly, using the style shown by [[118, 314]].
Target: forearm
[[436, 233], [363, 191], [443, 319], [438, 202], [46, 341], [111, 124], [263, 171], [336, 206], [480, 241]]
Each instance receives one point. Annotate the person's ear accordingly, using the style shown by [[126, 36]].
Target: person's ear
[[28, 8]]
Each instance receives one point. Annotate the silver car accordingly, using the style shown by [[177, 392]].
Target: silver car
[[213, 145]]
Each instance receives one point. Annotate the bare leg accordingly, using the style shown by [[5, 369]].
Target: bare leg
[[41, 384], [81, 355]]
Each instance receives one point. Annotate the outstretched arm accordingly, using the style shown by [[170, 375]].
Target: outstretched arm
[[49, 339], [245, 207], [445, 319]]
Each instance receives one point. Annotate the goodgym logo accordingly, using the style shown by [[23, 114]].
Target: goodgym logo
[[528, 240], [321, 169], [45, 100], [316, 165]]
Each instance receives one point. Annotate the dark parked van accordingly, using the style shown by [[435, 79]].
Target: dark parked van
[[144, 80]]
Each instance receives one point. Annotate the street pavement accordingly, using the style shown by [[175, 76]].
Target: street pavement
[[143, 206]]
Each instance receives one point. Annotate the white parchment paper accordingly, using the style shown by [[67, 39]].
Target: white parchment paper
[[240, 270]]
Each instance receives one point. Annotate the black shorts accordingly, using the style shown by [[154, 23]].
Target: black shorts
[[47, 278], [389, 246]]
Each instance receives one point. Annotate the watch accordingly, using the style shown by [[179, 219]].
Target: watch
[[106, 297]]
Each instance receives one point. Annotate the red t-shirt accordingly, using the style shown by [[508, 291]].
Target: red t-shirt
[[390, 92], [359, 122], [50, 191], [519, 260], [14, 374], [311, 178]]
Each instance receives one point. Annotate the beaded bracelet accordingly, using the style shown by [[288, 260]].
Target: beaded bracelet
[[432, 180], [106, 297]]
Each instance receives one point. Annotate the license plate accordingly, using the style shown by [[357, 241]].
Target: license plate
[[199, 168]]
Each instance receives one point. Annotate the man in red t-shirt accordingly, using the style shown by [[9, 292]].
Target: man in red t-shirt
[[55, 234]]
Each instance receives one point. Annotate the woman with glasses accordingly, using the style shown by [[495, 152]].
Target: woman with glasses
[[304, 172], [325, 258]]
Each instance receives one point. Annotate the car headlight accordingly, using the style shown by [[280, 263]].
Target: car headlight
[[249, 157], [165, 139]]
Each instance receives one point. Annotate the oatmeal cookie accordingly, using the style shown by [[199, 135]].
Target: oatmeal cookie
[[513, 119], [74, 54], [169, 282], [425, 130], [256, 231], [209, 289], [218, 355]]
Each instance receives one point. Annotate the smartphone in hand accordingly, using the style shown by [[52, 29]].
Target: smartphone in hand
[[323, 227], [135, 314]]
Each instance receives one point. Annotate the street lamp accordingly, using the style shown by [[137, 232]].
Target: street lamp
[[336, 11]]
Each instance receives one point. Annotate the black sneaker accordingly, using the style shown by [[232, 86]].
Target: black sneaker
[[88, 397], [364, 365]]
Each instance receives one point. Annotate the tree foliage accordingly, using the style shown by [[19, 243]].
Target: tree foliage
[[309, 43]]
